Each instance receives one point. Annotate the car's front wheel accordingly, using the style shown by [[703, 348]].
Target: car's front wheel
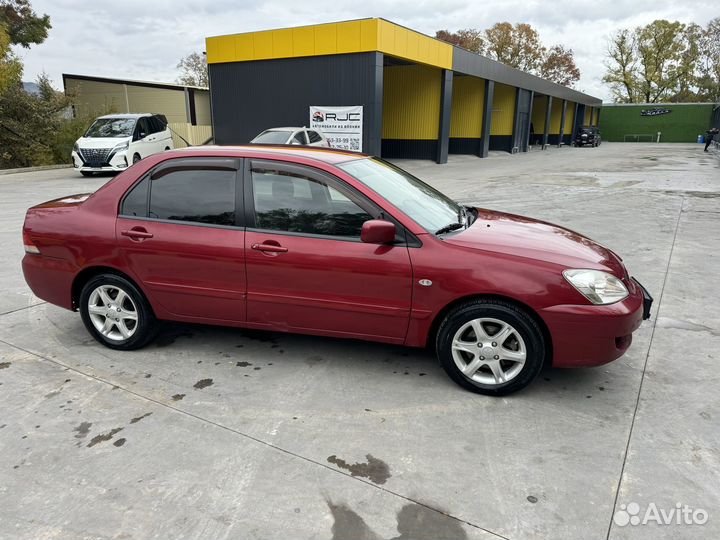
[[490, 347], [116, 313], [136, 158]]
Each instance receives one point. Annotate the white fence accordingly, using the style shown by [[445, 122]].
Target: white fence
[[195, 135]]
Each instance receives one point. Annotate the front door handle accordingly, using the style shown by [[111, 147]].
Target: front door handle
[[137, 233], [269, 248]]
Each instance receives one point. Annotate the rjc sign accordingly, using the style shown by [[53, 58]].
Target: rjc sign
[[342, 126]]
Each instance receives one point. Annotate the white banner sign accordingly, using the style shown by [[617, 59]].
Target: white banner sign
[[342, 126]]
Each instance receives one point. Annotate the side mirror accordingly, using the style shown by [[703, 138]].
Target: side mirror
[[377, 231], [142, 135]]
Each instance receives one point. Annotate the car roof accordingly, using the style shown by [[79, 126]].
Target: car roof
[[285, 129], [325, 155], [125, 115]]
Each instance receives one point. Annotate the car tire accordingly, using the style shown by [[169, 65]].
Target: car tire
[[136, 158], [135, 324], [87, 173], [487, 365], [167, 148]]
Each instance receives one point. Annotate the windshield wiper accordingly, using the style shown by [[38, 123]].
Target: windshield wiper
[[450, 227]]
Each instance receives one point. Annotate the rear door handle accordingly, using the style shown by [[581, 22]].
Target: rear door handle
[[269, 248], [137, 233]]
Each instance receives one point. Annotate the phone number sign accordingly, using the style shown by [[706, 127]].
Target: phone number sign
[[342, 126]]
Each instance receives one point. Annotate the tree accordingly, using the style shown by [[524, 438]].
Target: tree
[[688, 64], [19, 25], [469, 39], [656, 62], [708, 66], [193, 70], [621, 74], [660, 46], [29, 124], [518, 46], [558, 66], [10, 66], [22, 24]]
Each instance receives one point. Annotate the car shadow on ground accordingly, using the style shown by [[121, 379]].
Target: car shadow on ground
[[357, 357]]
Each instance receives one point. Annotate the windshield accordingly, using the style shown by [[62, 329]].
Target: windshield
[[424, 204], [111, 127], [272, 137]]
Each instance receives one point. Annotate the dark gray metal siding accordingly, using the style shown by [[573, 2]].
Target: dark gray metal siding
[[249, 97], [480, 66], [523, 108]]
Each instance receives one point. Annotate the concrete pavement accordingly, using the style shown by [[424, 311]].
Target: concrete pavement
[[219, 433]]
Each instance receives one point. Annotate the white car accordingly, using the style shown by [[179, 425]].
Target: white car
[[116, 141], [292, 135]]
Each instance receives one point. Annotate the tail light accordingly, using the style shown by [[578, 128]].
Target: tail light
[[29, 245]]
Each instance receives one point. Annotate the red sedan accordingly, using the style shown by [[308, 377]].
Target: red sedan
[[335, 244]]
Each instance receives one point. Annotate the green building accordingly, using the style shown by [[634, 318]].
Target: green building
[[641, 122]]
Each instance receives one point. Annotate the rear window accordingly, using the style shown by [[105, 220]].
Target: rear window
[[272, 137]]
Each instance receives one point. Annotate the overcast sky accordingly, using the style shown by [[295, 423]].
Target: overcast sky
[[144, 39]]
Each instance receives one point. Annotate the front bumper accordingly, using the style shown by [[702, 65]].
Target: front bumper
[[590, 335], [118, 162]]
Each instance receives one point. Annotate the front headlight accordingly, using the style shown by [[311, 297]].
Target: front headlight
[[598, 287], [121, 146]]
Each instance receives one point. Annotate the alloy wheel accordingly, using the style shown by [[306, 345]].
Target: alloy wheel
[[489, 351], [112, 312]]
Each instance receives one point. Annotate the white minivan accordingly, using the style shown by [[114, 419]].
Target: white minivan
[[116, 141]]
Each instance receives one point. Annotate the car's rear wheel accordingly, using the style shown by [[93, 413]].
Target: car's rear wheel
[[116, 313], [490, 347]]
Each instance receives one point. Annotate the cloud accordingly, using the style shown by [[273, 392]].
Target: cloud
[[145, 39]]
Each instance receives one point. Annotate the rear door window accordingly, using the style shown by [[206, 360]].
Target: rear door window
[[314, 137], [195, 196]]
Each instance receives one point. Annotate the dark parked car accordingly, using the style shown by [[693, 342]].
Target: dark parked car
[[332, 243], [587, 135]]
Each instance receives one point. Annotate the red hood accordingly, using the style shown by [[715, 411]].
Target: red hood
[[530, 238]]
